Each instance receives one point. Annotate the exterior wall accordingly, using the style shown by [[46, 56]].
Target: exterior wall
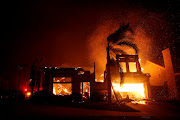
[[157, 80], [170, 73], [157, 72], [161, 75]]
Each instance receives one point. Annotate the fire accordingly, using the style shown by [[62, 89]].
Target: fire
[[28, 94], [60, 89], [100, 81], [102, 75], [132, 90]]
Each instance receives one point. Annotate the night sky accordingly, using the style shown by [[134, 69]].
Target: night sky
[[73, 33]]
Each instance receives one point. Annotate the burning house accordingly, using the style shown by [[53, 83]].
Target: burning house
[[127, 80], [67, 81], [77, 82], [134, 83], [151, 81]]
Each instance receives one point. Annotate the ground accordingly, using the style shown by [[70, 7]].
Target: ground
[[151, 110], [159, 109]]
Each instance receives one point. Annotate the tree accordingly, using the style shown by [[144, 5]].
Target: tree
[[35, 74], [118, 38]]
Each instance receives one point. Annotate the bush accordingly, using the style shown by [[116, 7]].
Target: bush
[[41, 97]]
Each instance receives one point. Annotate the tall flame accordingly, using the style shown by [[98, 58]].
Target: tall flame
[[132, 90]]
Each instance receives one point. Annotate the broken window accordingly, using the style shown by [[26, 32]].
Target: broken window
[[123, 66], [62, 86], [62, 79], [85, 89], [132, 67]]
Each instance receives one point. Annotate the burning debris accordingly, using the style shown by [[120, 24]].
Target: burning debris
[[135, 83], [61, 87]]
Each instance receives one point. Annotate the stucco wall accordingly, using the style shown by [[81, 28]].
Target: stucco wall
[[157, 72], [161, 74]]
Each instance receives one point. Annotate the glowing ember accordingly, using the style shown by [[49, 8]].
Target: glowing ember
[[28, 94], [132, 90], [138, 102], [25, 89]]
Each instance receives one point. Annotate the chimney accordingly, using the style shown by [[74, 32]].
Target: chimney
[[170, 73]]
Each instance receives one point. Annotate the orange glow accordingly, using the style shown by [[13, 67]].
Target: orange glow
[[157, 72], [85, 89], [132, 90], [123, 66], [25, 89], [102, 75], [132, 67], [100, 80], [28, 94], [62, 88], [98, 44], [139, 102]]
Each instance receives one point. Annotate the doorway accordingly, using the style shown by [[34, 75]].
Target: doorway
[[85, 89]]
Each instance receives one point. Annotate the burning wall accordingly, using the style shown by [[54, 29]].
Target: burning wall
[[135, 84]]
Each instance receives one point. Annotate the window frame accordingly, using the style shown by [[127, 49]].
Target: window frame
[[62, 83]]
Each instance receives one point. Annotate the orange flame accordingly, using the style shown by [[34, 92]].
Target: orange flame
[[132, 90]]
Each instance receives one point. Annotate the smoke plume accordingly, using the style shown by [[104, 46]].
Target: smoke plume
[[142, 22]]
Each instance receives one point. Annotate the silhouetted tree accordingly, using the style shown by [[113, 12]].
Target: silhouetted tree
[[119, 37], [32, 77], [35, 74]]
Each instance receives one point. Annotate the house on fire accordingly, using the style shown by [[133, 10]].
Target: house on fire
[[77, 82], [67, 81], [136, 84]]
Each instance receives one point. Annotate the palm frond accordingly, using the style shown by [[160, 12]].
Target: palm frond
[[119, 34], [117, 51], [113, 56], [130, 44]]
